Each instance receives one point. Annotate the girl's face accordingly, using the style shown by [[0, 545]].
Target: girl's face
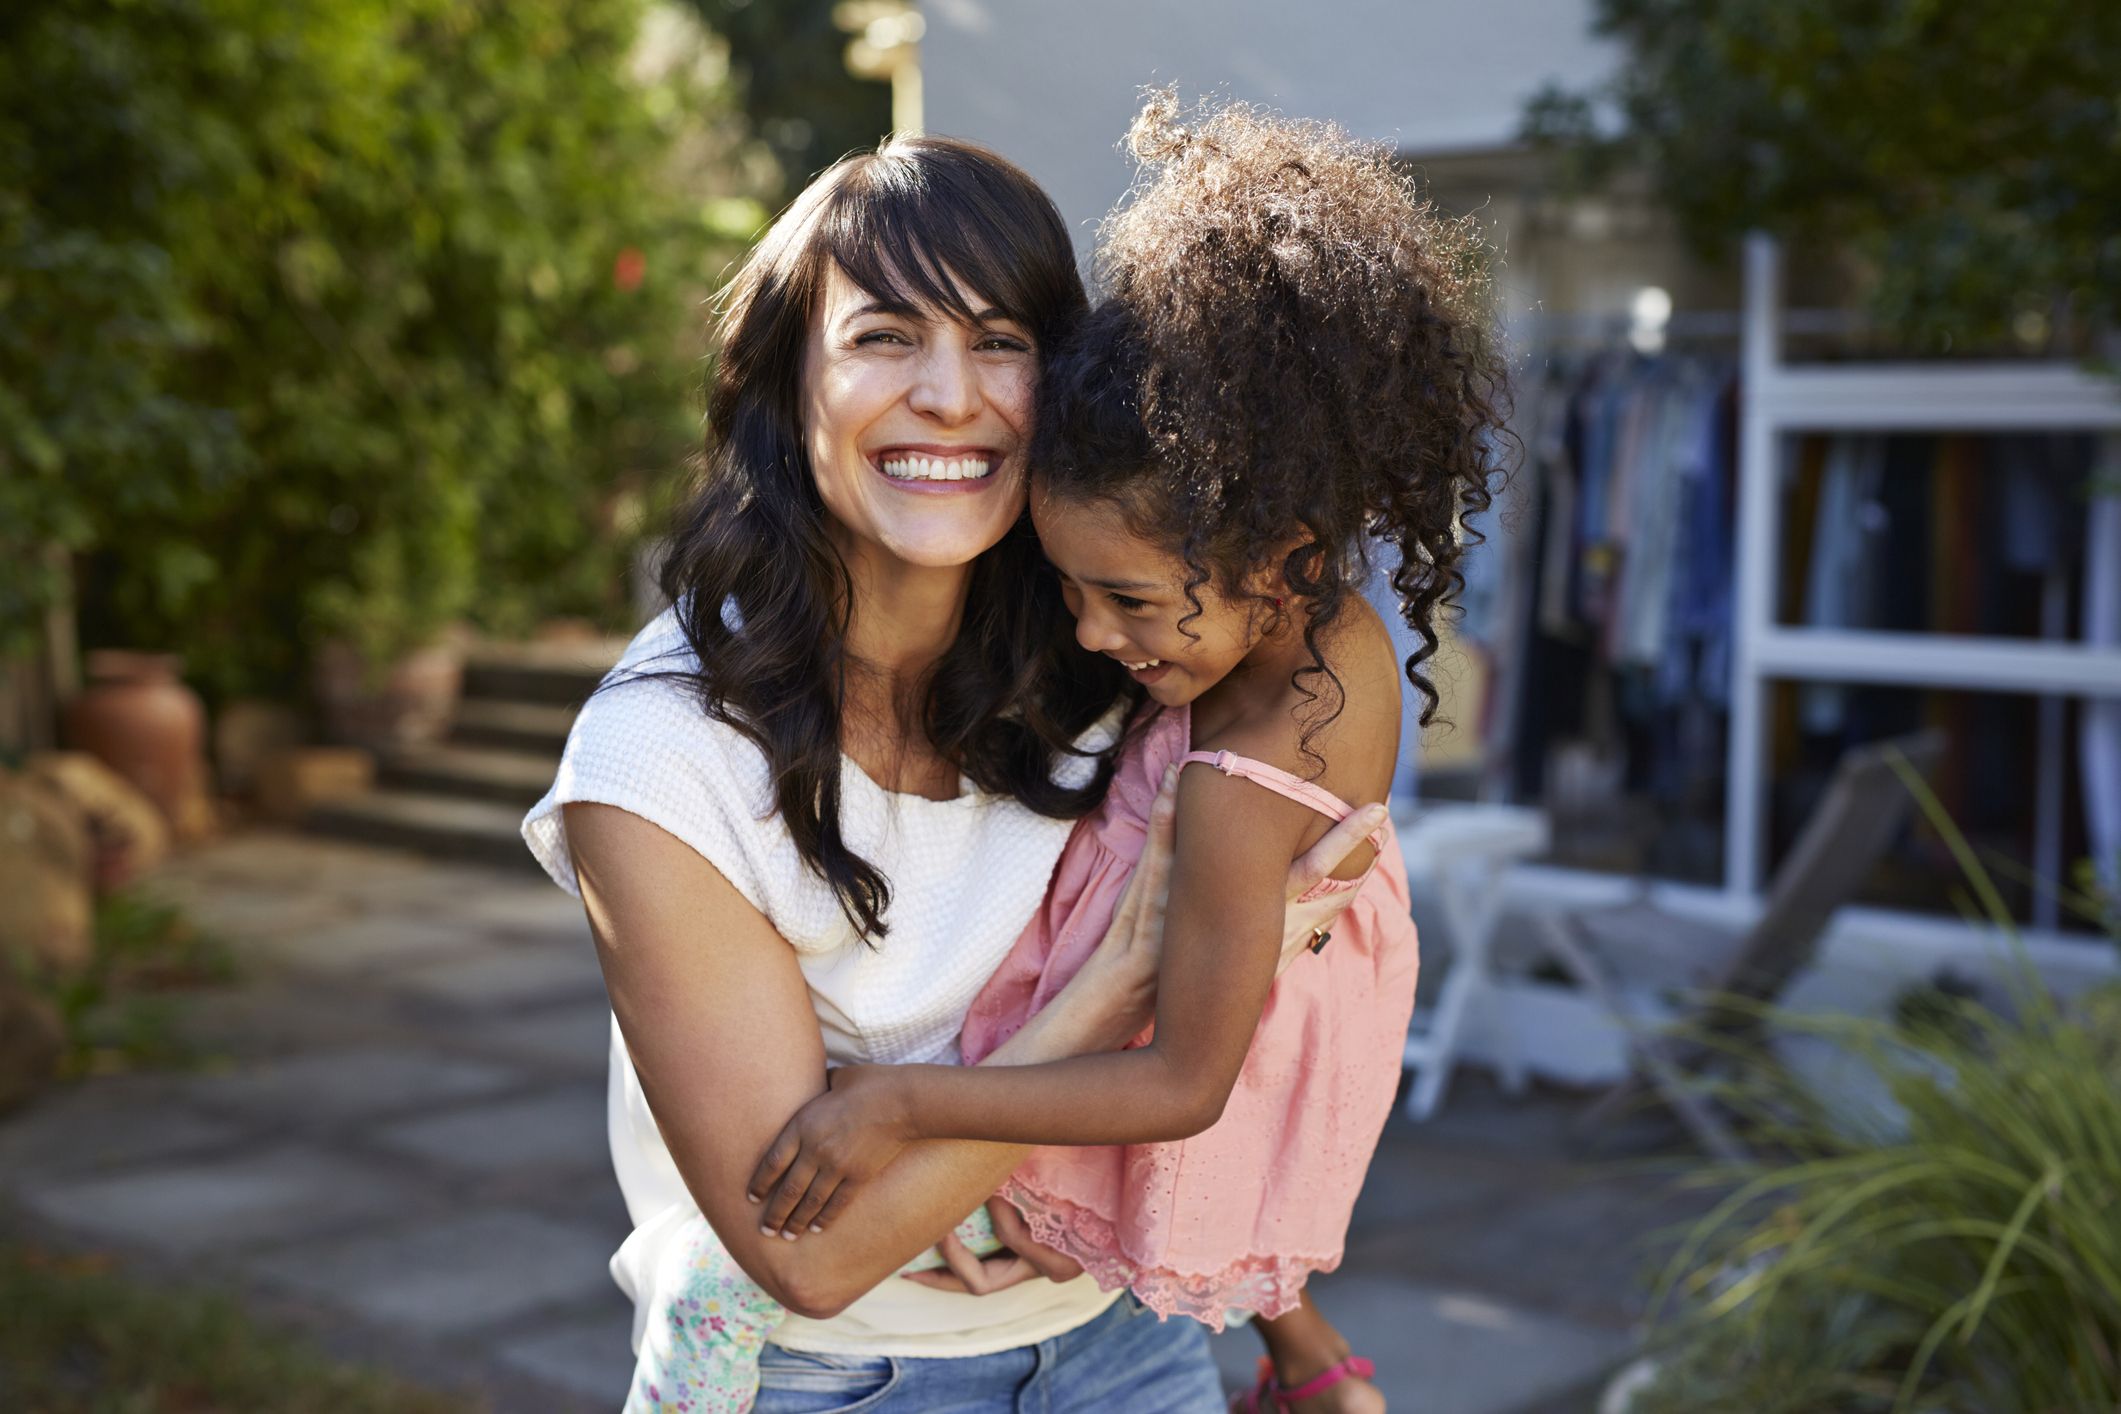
[[1128, 594], [916, 425]]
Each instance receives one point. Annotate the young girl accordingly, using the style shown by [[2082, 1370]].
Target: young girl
[[1291, 364]]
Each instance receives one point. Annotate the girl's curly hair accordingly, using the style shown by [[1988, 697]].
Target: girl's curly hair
[[1293, 345]]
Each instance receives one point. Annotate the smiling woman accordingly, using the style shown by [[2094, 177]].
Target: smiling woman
[[821, 796]]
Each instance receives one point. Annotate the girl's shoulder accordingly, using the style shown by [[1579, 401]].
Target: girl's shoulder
[[1346, 737]]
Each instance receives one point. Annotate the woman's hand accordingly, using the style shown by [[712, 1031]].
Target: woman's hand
[[1123, 969], [1126, 960], [827, 1150], [1305, 921]]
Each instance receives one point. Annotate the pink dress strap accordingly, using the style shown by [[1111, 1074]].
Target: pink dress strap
[[1275, 779]]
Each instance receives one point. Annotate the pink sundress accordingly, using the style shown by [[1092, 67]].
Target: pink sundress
[[1238, 1217]]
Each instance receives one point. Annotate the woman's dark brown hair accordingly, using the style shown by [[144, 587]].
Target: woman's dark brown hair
[[1294, 347], [762, 595]]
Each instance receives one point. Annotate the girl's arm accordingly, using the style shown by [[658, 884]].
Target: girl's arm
[[1222, 941]]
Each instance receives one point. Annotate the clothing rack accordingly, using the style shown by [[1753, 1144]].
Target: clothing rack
[[1783, 398], [1779, 400]]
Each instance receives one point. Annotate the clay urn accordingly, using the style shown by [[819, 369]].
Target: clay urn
[[137, 717]]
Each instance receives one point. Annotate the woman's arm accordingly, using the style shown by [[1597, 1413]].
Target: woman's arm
[[718, 1022], [1221, 949]]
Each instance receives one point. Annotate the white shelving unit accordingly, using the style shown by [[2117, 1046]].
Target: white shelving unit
[[1780, 399]]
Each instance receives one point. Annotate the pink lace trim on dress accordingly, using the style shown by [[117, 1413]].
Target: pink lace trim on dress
[[1265, 1286]]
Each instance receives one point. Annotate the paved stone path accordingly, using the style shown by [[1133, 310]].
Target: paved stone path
[[402, 1150]]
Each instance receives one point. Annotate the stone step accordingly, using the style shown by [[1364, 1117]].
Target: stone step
[[551, 673], [514, 726], [507, 777], [439, 826]]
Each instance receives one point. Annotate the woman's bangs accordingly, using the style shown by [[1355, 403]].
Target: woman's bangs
[[903, 242]]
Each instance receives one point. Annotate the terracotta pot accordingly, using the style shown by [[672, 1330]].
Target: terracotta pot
[[138, 718], [410, 703]]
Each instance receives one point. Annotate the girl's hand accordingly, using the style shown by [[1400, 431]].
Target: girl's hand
[[831, 1146]]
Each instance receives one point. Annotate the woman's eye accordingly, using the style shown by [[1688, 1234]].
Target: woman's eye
[[1129, 606], [1005, 344], [878, 336]]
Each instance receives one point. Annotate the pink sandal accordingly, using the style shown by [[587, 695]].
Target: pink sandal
[[1269, 1388]]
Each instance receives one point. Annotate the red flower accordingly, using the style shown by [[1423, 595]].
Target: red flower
[[628, 268]]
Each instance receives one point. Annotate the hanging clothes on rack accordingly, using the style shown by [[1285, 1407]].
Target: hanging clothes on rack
[[1621, 598]]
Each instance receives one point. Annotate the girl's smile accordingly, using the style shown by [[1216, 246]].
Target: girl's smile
[[1128, 595]]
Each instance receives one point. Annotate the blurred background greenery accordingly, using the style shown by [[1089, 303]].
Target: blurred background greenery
[[344, 319]]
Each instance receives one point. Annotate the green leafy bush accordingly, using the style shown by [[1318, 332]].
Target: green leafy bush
[[120, 1012], [1960, 1256], [345, 317]]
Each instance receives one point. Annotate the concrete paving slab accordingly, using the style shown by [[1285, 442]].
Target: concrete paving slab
[[593, 1202], [225, 1204], [507, 978], [372, 941], [449, 1274], [271, 1016], [352, 1084], [560, 1130], [573, 1037], [1443, 1350], [255, 919], [1585, 1249], [1427, 1180], [589, 1356], [521, 911], [82, 1128]]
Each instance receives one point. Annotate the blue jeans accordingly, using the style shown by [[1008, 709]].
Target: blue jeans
[[1124, 1362]]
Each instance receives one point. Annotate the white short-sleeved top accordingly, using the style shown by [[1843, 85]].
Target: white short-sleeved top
[[965, 874]]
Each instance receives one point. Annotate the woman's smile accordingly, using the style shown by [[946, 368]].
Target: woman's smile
[[931, 469]]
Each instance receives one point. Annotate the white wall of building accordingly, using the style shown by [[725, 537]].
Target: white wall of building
[[1052, 84]]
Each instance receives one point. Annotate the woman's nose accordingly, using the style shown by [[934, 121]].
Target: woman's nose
[[947, 387]]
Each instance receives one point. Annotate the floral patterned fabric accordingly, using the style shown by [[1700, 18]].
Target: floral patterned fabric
[[700, 1353]]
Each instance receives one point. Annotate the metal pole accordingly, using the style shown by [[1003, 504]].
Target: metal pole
[[1753, 606]]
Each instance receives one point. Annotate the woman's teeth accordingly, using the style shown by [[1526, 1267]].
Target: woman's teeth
[[1141, 667], [937, 468]]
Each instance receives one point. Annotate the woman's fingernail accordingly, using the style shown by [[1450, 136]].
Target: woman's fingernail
[[753, 1197], [765, 1231], [788, 1236], [1375, 814], [815, 1228]]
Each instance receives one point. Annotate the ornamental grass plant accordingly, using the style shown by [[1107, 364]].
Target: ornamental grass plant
[[1957, 1251]]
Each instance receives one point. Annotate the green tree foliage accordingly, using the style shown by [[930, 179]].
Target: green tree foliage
[[790, 60], [1968, 153], [338, 317]]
